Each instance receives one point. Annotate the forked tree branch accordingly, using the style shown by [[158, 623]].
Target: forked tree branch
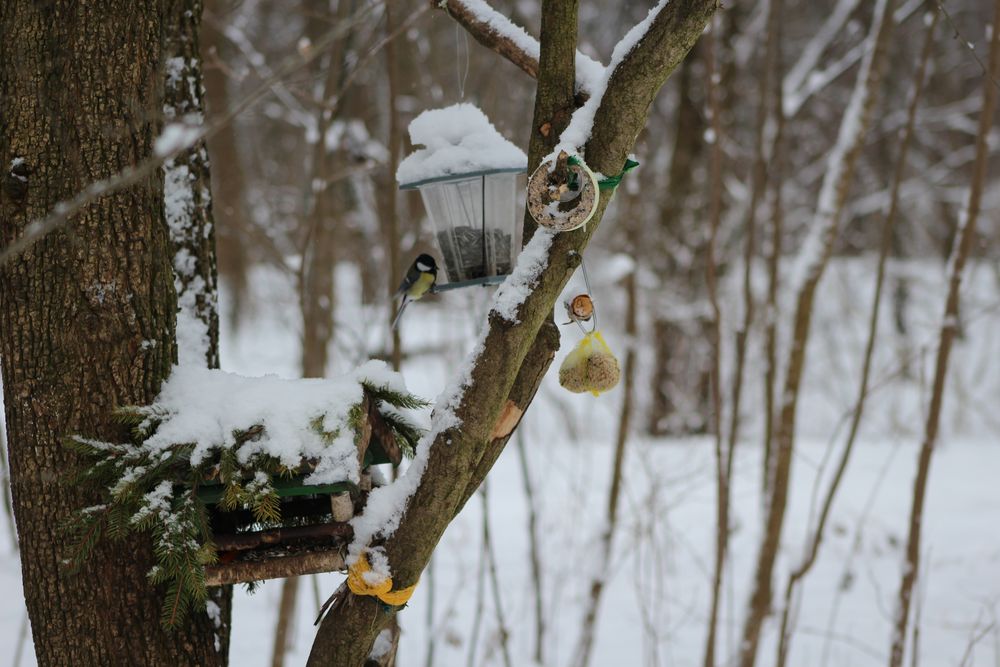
[[513, 356]]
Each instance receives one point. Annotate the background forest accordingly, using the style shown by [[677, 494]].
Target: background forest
[[595, 540]]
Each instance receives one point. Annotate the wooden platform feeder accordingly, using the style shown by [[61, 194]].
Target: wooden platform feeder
[[315, 518]]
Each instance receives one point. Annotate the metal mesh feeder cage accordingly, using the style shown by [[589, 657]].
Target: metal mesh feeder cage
[[467, 176]]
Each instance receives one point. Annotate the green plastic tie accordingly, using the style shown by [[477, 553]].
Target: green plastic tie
[[611, 182], [608, 182]]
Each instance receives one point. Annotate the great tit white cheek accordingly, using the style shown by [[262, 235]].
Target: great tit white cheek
[[422, 267]]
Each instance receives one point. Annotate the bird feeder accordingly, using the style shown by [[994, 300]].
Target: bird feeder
[[233, 489], [316, 516], [466, 173]]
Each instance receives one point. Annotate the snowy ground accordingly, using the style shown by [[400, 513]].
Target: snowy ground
[[657, 590]]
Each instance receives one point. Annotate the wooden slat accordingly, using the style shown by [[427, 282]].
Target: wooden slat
[[312, 562], [276, 536]]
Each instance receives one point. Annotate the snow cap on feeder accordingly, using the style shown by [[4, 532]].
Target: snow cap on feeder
[[466, 173]]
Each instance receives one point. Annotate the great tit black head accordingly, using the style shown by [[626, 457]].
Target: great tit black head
[[426, 264]]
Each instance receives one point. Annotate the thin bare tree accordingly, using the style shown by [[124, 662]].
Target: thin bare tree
[[888, 234], [722, 472], [813, 259], [534, 548], [588, 629], [960, 251]]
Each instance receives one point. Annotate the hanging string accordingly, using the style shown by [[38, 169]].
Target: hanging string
[[461, 38], [590, 292]]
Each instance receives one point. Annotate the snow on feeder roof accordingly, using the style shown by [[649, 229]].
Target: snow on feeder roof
[[458, 141], [466, 173]]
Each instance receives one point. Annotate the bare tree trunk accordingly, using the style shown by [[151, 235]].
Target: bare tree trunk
[[722, 476], [677, 360], [283, 629], [228, 185], [316, 287], [534, 550], [888, 234], [588, 630], [392, 198], [776, 179], [88, 312], [188, 211], [816, 253], [187, 191], [956, 266]]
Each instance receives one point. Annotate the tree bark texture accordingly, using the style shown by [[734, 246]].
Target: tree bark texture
[[88, 312], [516, 354]]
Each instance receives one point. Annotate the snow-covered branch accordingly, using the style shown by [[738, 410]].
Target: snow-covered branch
[[498, 33]]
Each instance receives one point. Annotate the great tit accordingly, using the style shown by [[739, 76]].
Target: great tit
[[419, 280]]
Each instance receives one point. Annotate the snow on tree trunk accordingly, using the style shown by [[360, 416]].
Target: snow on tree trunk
[[186, 192]]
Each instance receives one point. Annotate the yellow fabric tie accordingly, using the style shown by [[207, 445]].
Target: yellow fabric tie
[[383, 590]]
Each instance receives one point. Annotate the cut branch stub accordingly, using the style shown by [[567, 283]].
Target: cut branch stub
[[15, 182], [563, 193]]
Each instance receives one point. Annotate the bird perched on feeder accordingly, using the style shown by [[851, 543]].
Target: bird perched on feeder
[[419, 279]]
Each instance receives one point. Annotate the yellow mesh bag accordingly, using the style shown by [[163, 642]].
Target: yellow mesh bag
[[591, 366]]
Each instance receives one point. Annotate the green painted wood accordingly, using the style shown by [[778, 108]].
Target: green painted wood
[[210, 494]]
